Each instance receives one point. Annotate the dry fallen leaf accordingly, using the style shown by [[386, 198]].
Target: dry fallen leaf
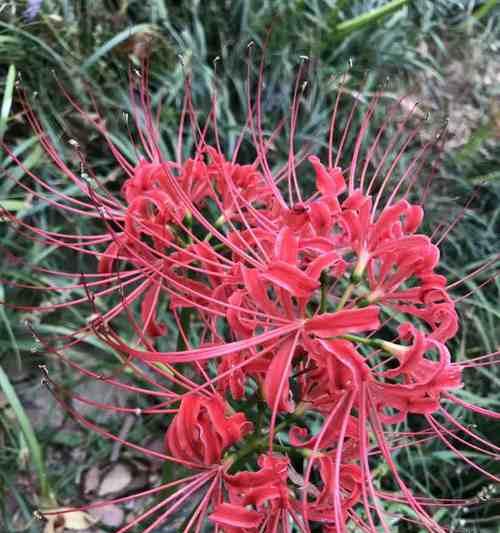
[[73, 520], [90, 480], [117, 478], [109, 515]]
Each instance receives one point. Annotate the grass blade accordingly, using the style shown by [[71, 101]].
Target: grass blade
[[46, 494], [7, 99], [369, 18]]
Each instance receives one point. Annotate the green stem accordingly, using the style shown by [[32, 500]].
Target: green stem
[[375, 343], [386, 346], [237, 458], [345, 296]]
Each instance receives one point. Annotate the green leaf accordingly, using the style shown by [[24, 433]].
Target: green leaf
[[7, 99], [369, 18], [13, 205], [485, 9], [39, 42], [10, 333], [46, 493]]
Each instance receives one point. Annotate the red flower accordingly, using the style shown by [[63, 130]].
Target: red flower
[[285, 310], [201, 430], [265, 491]]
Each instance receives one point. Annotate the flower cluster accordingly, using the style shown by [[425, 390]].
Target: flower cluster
[[307, 329]]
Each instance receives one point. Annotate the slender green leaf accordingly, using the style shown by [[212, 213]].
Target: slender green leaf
[[369, 18], [7, 99], [31, 440], [484, 10], [39, 42], [13, 205], [5, 319]]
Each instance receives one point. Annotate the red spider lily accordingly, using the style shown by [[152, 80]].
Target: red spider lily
[[288, 311], [200, 431], [266, 490]]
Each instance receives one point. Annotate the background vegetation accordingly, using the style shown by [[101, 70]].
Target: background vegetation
[[442, 53]]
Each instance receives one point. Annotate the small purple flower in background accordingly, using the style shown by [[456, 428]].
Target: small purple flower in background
[[32, 10]]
